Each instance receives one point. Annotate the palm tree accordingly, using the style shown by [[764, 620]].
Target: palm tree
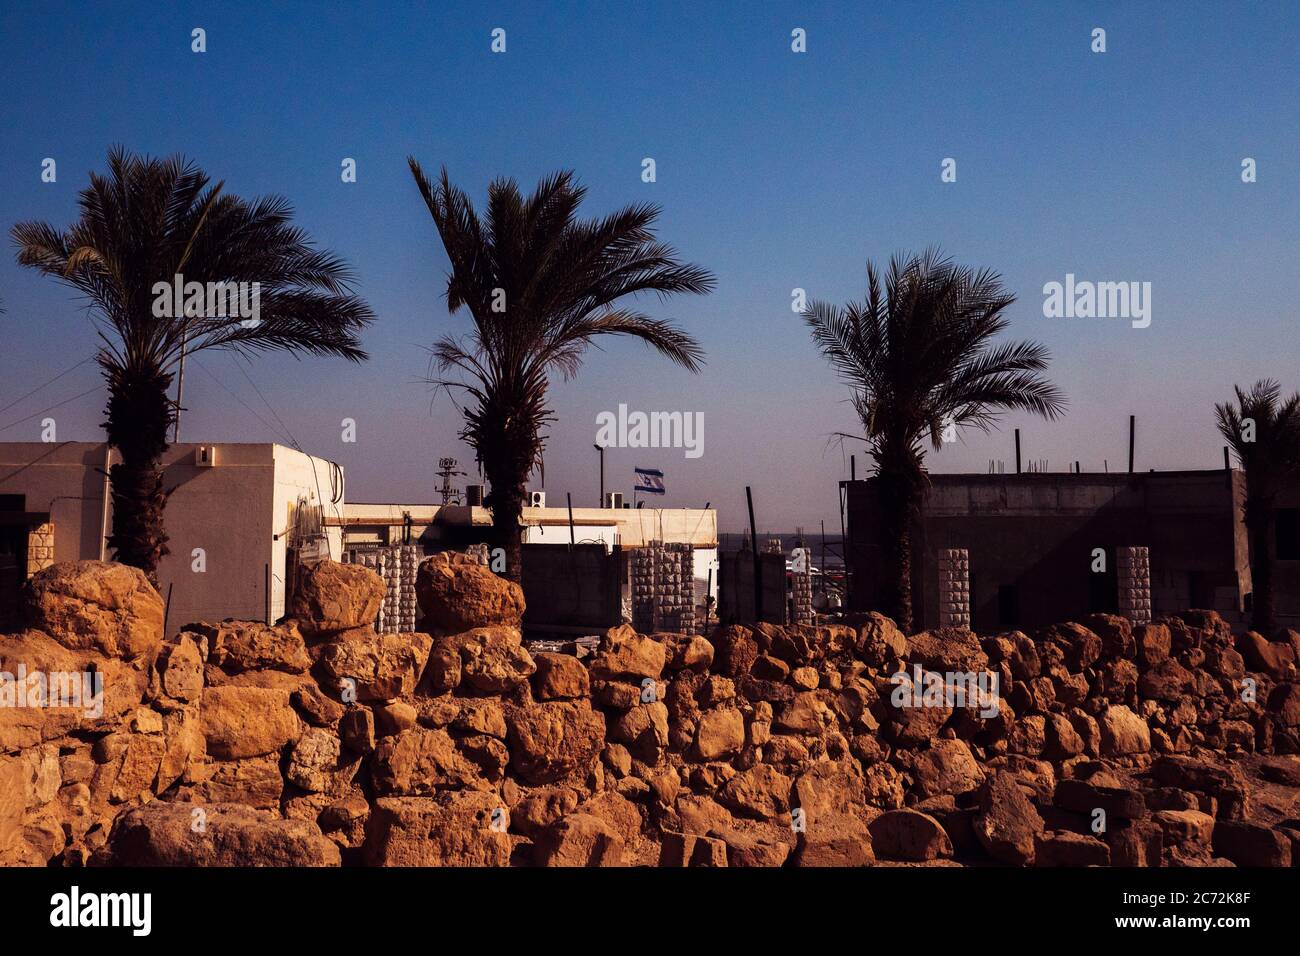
[[151, 221], [1264, 433], [540, 285], [918, 358]]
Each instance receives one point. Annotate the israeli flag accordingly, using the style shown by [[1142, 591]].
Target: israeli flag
[[649, 481]]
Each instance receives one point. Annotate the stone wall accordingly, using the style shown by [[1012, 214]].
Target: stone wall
[[320, 741], [396, 565]]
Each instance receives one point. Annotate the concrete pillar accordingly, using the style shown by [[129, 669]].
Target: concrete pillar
[[1133, 567], [663, 588], [40, 548], [954, 588], [801, 586]]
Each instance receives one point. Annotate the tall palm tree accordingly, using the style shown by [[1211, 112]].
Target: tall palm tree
[[540, 285], [149, 221], [1264, 432], [917, 355]]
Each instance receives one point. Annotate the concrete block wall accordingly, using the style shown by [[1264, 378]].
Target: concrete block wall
[[40, 548], [1134, 572], [954, 587], [397, 566], [801, 590], [663, 588]]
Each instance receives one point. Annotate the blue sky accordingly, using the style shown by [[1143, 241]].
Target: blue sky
[[776, 170]]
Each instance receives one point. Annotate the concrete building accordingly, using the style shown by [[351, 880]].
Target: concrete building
[[235, 511], [576, 580], [1032, 544]]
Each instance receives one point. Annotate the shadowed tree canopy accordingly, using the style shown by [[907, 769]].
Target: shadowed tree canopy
[[541, 285], [149, 221], [919, 358]]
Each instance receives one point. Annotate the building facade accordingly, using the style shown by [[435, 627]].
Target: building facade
[[234, 517], [1040, 548]]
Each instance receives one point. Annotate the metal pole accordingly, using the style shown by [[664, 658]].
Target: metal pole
[[753, 537], [1132, 429], [180, 395], [601, 450], [1017, 451], [569, 497]]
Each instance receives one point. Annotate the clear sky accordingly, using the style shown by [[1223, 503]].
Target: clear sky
[[777, 170]]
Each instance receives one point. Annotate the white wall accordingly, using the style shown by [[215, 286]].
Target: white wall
[[321, 483]]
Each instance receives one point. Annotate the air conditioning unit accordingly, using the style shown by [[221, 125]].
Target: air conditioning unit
[[474, 495], [613, 499], [205, 456], [537, 499]]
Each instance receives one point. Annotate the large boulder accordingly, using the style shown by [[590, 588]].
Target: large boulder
[[1274, 658], [626, 655], [457, 595], [458, 828], [719, 733], [579, 840], [97, 605], [493, 659], [1006, 823], [947, 649], [332, 597], [947, 767], [879, 640], [183, 834], [909, 835], [552, 740], [560, 677], [237, 646], [1123, 732], [418, 762], [375, 666], [242, 722], [762, 792]]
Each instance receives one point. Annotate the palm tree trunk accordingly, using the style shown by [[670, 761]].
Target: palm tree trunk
[[139, 412], [1259, 525], [507, 477], [898, 501]]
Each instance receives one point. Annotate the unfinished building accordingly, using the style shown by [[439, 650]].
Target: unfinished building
[[1000, 551]]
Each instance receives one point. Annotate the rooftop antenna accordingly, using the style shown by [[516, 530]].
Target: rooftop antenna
[[447, 471]]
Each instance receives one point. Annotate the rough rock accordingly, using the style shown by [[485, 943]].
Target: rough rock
[[909, 835], [332, 597], [97, 605], [456, 595], [183, 834], [247, 721]]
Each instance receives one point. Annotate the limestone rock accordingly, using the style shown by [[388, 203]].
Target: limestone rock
[[909, 835], [560, 677], [247, 721], [97, 605], [375, 666], [182, 834], [332, 597], [458, 828], [1006, 823], [456, 595], [551, 740]]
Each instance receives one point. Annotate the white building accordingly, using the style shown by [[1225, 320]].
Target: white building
[[230, 519]]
